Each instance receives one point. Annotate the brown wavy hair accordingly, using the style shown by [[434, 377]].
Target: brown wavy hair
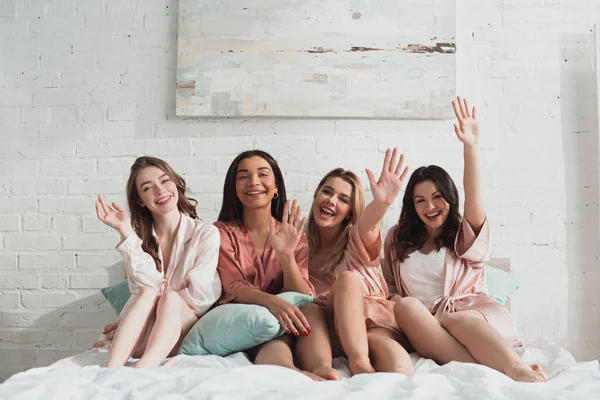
[[141, 218], [410, 233], [357, 203]]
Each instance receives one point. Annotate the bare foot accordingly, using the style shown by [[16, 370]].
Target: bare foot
[[361, 366], [111, 363], [405, 370], [540, 372], [326, 372], [312, 376], [527, 373]]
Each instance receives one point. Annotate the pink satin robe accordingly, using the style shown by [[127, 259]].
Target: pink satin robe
[[191, 272], [241, 266], [379, 311], [464, 287]]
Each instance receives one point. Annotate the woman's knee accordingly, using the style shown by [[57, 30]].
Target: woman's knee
[[273, 351], [451, 320], [409, 307], [347, 280], [311, 308], [148, 292], [313, 311], [169, 298]]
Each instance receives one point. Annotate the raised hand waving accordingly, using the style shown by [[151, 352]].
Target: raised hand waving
[[467, 128], [387, 187]]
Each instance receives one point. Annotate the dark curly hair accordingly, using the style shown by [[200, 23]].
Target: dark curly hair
[[410, 233]]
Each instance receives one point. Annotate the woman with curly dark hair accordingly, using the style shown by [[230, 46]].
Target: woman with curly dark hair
[[434, 265]]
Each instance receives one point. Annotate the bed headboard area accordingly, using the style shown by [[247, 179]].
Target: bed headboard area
[[502, 264]]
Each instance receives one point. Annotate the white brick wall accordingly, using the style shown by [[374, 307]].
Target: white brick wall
[[87, 85]]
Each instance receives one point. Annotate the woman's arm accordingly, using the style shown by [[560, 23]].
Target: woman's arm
[[203, 283], [139, 265], [384, 191], [467, 131], [286, 243]]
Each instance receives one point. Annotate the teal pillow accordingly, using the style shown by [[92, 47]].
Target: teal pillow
[[117, 295], [501, 285], [231, 328]]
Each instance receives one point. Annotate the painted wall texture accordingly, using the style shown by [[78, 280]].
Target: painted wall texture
[[316, 58]]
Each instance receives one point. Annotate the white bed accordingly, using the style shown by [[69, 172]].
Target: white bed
[[234, 377]]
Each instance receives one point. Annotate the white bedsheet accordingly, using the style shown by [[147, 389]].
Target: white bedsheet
[[234, 377]]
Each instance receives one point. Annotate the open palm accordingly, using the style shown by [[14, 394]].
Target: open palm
[[285, 240], [386, 189], [467, 129], [116, 217]]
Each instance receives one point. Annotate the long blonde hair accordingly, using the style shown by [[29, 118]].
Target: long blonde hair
[[141, 218], [357, 203]]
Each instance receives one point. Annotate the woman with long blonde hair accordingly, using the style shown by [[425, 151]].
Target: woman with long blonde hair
[[345, 245]]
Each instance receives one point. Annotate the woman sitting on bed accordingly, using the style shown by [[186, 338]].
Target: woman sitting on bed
[[263, 249], [345, 247], [171, 263], [434, 261]]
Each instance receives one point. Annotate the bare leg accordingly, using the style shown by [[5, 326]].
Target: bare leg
[[489, 347], [174, 318], [387, 354], [426, 334], [132, 326], [279, 352], [347, 299], [314, 350]]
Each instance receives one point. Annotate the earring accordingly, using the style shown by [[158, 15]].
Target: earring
[[276, 196]]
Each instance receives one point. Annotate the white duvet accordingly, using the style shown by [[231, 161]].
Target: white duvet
[[234, 377]]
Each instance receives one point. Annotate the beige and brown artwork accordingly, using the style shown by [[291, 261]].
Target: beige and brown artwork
[[316, 58]]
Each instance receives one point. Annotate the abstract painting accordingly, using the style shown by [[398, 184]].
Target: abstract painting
[[316, 58]]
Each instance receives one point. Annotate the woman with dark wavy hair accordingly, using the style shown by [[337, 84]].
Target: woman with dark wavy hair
[[264, 250], [170, 260], [434, 265]]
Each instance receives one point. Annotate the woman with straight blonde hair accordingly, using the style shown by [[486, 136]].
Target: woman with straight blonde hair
[[345, 245]]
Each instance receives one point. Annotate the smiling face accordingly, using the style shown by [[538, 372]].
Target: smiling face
[[255, 184], [333, 203], [430, 205], [156, 191]]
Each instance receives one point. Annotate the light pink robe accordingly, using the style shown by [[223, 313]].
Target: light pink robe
[[192, 270], [464, 287], [379, 311], [241, 266]]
